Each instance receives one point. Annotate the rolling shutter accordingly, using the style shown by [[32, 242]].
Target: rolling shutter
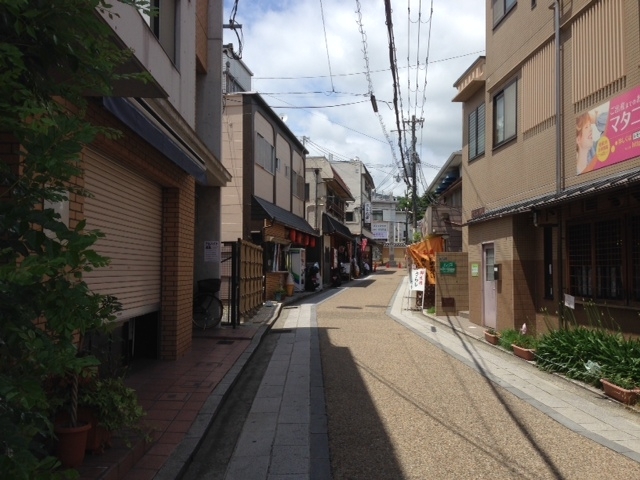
[[127, 208]]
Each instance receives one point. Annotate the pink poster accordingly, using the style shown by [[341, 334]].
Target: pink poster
[[608, 134]]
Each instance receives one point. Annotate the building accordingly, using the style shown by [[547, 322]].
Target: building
[[265, 200], [327, 197], [389, 228], [551, 216], [144, 184], [358, 213], [444, 217]]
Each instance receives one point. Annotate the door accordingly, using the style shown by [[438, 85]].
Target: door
[[489, 302]]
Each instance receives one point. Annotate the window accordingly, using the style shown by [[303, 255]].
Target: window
[[286, 171], [265, 155], [501, 8], [477, 132], [377, 216], [278, 164], [596, 252], [163, 25], [299, 185], [349, 217], [306, 192], [505, 105]]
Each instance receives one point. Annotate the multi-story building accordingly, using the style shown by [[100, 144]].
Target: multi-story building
[[388, 227], [358, 213], [151, 186], [551, 165], [327, 196], [443, 217]]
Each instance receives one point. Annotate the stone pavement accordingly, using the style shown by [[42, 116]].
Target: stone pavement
[[285, 435]]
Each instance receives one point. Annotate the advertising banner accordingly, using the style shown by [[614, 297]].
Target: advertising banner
[[380, 230], [609, 133]]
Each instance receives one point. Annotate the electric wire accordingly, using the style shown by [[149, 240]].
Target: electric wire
[[326, 43]]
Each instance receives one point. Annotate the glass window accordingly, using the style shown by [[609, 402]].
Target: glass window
[[477, 132], [505, 107], [501, 8], [265, 154], [349, 217]]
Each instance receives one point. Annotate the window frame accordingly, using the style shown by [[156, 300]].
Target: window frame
[[589, 257], [502, 95], [260, 144], [476, 129], [506, 7]]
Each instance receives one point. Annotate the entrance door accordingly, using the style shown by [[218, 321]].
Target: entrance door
[[489, 301]]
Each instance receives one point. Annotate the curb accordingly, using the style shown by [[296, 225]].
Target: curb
[[176, 464]]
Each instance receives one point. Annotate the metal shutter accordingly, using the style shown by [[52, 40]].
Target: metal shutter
[[127, 208]]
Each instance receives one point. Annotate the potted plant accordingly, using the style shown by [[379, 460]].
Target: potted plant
[[524, 346], [491, 336], [111, 406], [279, 293], [624, 389]]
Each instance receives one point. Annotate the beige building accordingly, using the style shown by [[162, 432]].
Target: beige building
[[550, 162], [265, 200]]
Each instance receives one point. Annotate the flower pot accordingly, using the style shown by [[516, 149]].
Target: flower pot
[[277, 296], [628, 397], [289, 290], [528, 354], [72, 442], [492, 338]]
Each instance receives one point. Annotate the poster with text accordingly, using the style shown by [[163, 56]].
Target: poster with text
[[609, 133]]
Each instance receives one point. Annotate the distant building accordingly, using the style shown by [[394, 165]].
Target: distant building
[[444, 217], [358, 216], [327, 198]]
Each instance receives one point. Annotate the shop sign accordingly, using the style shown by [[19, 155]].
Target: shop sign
[[447, 268], [475, 269], [380, 230], [367, 212], [418, 277]]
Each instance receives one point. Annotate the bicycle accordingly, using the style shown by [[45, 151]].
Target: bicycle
[[207, 308]]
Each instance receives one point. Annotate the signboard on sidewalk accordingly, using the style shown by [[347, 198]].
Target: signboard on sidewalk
[[418, 278]]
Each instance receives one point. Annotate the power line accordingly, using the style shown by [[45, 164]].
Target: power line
[[326, 44]]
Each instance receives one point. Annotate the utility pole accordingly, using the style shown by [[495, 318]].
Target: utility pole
[[414, 161]]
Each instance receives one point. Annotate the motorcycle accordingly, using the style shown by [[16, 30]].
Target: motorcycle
[[311, 279], [336, 277]]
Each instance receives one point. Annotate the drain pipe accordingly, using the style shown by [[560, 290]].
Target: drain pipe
[[559, 162], [556, 7]]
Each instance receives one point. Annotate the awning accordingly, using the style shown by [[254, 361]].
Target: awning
[[172, 147], [261, 209], [623, 179], [331, 226]]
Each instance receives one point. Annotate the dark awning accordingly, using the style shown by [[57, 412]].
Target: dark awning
[[260, 208], [331, 226], [623, 179]]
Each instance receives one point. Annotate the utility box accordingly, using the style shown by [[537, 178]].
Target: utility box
[[496, 271]]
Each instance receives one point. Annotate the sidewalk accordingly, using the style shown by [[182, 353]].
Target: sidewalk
[[579, 407], [181, 398]]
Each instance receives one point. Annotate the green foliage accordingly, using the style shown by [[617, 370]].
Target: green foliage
[[567, 351], [507, 338], [51, 55], [115, 405]]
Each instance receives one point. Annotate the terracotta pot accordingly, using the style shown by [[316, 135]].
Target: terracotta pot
[[289, 290], [628, 397], [526, 353], [72, 442], [492, 338]]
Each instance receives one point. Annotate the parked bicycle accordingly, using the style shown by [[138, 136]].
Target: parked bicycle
[[207, 308]]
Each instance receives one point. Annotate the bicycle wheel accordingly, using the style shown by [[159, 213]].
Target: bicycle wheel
[[207, 310]]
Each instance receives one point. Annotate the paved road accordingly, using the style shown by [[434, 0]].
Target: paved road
[[401, 407]]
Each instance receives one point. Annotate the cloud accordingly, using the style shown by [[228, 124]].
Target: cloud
[[296, 65]]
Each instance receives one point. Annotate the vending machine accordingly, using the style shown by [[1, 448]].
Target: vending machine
[[296, 262]]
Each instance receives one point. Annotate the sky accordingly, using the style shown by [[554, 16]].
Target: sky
[[317, 62]]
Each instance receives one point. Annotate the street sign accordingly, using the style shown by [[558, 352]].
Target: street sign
[[447, 268]]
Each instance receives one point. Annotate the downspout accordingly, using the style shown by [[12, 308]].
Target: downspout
[[559, 163]]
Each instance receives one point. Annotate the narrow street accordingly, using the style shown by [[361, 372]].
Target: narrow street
[[406, 399]]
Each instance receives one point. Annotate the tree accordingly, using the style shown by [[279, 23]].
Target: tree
[[51, 55], [406, 203]]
